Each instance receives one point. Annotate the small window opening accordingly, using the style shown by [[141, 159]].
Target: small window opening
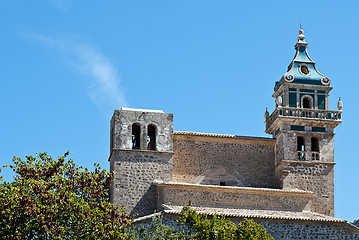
[[300, 148], [315, 144], [300, 143], [136, 129], [306, 102], [222, 183], [315, 148], [151, 137]]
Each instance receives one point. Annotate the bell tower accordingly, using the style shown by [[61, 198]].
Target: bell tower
[[303, 126], [141, 147]]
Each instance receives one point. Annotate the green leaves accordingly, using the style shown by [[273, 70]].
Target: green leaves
[[56, 199], [218, 227], [201, 227], [158, 231]]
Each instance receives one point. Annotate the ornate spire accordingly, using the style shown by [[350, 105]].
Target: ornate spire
[[302, 69], [301, 38]]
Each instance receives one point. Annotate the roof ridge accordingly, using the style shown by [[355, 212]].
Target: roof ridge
[[218, 135]]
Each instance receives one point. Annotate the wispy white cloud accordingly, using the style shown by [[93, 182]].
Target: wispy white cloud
[[103, 81], [61, 4]]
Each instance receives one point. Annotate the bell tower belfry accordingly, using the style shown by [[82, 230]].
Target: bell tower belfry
[[141, 150], [303, 126]]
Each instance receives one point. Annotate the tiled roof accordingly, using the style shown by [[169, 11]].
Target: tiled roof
[[251, 213]]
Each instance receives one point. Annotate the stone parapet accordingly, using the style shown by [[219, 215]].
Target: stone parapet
[[302, 116]]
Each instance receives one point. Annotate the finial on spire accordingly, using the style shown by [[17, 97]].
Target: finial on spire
[[301, 36]]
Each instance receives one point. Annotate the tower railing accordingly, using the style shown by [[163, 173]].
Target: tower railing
[[315, 156], [308, 155], [301, 155], [303, 113]]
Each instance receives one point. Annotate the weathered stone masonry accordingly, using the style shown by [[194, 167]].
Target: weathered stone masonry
[[250, 159]]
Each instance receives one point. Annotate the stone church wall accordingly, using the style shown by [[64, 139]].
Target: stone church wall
[[133, 184], [227, 197], [250, 158], [311, 176]]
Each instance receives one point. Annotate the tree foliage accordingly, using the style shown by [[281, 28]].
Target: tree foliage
[[219, 227], [158, 231], [356, 222], [56, 199], [201, 227]]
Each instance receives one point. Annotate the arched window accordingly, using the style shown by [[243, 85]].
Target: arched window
[[300, 148], [315, 144], [307, 102], [300, 143], [136, 133], [315, 148], [151, 137]]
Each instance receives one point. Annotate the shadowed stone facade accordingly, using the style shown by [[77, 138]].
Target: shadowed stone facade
[[285, 182]]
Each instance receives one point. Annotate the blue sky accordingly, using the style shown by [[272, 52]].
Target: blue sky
[[66, 65]]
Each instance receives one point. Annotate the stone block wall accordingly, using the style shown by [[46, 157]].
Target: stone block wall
[[251, 159], [248, 198], [133, 181], [310, 176]]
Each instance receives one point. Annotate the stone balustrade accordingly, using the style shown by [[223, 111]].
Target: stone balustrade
[[301, 155], [308, 155], [303, 113]]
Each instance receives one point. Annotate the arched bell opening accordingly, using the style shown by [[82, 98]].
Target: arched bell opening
[[151, 137], [315, 148], [136, 136], [301, 147]]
